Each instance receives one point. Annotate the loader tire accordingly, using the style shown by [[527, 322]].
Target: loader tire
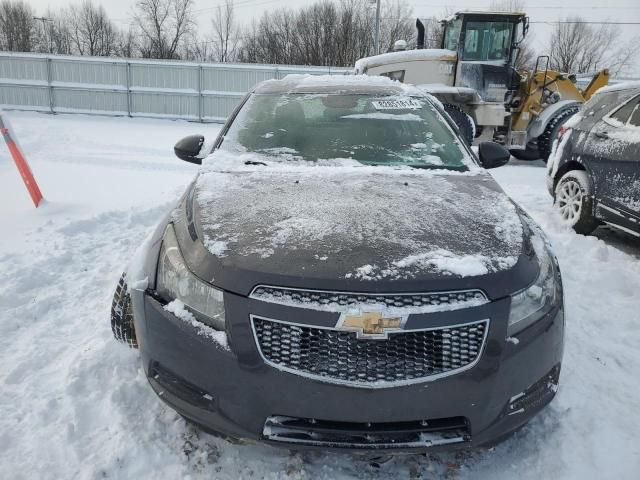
[[550, 134], [462, 120], [122, 315]]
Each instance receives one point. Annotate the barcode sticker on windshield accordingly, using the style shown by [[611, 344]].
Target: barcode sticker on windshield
[[396, 104]]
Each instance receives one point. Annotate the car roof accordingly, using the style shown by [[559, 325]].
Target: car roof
[[336, 85], [616, 87]]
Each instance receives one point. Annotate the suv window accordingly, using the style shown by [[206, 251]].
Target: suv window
[[635, 117], [598, 106], [623, 113]]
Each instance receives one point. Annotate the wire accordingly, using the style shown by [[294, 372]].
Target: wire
[[245, 3], [586, 22]]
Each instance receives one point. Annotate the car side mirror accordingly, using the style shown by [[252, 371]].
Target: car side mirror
[[493, 155], [188, 149]]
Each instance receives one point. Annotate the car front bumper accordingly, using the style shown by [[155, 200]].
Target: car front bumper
[[233, 392]]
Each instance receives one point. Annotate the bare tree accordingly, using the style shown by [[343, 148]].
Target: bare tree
[[200, 50], [397, 23], [578, 47], [624, 58], [60, 32], [164, 25], [526, 56], [354, 32], [507, 6], [92, 33], [126, 44], [226, 32], [18, 31], [433, 32], [325, 33]]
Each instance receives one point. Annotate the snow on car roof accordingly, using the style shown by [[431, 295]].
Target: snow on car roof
[[404, 56], [455, 15], [620, 86], [356, 84]]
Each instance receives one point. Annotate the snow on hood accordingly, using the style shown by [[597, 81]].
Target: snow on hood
[[364, 223]]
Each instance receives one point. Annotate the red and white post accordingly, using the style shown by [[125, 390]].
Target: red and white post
[[19, 159]]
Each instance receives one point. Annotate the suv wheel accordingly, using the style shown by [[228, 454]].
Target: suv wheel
[[574, 201], [122, 315]]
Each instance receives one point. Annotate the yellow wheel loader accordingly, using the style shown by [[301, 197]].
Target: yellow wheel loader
[[545, 100], [473, 75]]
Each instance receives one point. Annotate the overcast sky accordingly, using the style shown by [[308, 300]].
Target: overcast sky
[[539, 11]]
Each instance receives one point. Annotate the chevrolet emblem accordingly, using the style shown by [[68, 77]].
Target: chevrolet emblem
[[371, 324]]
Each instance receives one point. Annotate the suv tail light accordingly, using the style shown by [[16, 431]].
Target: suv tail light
[[562, 131]]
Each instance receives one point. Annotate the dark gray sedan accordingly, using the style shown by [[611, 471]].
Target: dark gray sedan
[[344, 274], [594, 170]]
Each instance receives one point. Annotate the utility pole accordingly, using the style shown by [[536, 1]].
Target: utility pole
[[377, 42], [44, 21]]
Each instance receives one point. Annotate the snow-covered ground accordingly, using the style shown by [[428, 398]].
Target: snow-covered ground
[[75, 404]]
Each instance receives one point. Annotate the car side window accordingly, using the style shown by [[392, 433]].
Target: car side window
[[623, 113], [634, 120]]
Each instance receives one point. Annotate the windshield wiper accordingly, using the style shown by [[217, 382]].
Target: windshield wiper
[[251, 162], [440, 167]]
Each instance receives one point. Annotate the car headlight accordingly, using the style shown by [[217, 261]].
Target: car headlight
[[529, 305], [176, 282]]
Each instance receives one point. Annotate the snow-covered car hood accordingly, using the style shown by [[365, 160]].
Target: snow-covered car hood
[[354, 225]]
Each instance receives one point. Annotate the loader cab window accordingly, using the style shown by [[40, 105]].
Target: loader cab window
[[452, 35], [397, 75], [487, 41]]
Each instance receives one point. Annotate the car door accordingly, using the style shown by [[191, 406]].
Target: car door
[[613, 150]]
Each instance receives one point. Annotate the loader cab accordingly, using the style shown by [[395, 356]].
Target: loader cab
[[486, 44]]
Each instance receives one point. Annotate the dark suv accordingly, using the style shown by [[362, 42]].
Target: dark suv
[[344, 274], [594, 169]]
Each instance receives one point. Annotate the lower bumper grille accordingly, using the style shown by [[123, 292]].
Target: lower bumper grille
[[166, 382], [340, 357], [537, 395], [330, 434]]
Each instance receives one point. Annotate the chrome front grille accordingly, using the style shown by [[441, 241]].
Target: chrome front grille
[[343, 301], [338, 356]]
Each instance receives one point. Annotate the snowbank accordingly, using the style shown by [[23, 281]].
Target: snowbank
[[75, 404]]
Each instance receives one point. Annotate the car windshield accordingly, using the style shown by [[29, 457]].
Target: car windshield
[[373, 130]]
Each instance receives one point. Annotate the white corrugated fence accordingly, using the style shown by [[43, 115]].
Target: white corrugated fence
[[148, 88]]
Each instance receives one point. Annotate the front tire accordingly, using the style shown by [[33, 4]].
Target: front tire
[[122, 315], [574, 201]]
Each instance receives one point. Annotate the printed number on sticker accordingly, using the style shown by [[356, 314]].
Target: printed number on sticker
[[396, 104]]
